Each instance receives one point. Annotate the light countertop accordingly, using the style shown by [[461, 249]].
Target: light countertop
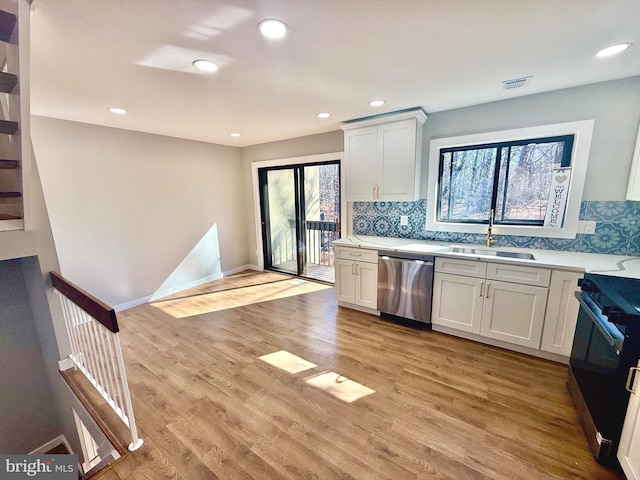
[[615, 265]]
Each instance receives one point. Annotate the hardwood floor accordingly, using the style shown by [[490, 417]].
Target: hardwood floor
[[443, 408]]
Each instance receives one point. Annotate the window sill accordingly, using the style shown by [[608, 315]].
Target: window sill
[[569, 231]]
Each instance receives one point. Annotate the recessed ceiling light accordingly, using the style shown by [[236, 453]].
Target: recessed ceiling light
[[235, 134], [612, 50], [118, 110], [205, 65], [376, 103], [273, 28], [323, 115]]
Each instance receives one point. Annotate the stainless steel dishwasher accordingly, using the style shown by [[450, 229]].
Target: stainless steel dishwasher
[[405, 285]]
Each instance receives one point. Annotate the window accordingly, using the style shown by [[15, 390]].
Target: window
[[511, 173], [512, 178]]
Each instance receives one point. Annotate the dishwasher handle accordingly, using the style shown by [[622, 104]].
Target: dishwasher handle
[[426, 263], [406, 257]]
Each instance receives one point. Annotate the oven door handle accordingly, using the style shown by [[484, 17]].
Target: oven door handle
[[611, 334], [630, 377]]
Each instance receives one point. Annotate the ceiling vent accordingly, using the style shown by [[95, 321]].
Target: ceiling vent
[[515, 83]]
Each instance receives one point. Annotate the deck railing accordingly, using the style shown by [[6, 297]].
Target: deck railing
[[95, 349], [319, 235]]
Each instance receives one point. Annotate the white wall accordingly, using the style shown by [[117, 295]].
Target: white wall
[[127, 208], [29, 418], [614, 105]]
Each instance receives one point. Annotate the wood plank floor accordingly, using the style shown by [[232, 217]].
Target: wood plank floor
[[444, 408]]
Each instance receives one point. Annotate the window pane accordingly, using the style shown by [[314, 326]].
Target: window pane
[[445, 186], [525, 179], [466, 184]]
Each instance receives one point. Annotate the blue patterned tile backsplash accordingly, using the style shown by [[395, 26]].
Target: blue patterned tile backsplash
[[617, 229]]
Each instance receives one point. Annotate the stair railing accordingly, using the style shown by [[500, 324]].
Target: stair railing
[[95, 349]]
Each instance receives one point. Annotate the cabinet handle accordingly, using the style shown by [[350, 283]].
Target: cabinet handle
[[488, 286], [355, 254], [481, 288], [353, 269], [357, 269], [630, 378]]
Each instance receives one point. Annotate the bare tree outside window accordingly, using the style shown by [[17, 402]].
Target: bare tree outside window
[[329, 176]]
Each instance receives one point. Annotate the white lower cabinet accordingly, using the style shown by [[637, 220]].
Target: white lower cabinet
[[356, 276], [629, 447], [486, 305], [513, 313], [504, 303], [457, 302], [562, 313]]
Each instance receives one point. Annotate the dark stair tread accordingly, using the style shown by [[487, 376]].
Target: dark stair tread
[[4, 216], [7, 25], [9, 164], [8, 82], [8, 127], [10, 194]]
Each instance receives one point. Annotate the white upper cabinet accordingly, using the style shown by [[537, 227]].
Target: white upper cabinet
[[360, 147], [383, 158], [633, 188]]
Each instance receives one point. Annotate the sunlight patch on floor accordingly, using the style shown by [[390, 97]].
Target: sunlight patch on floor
[[287, 361], [339, 386], [212, 302]]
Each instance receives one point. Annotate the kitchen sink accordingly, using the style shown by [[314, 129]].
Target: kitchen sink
[[491, 252]]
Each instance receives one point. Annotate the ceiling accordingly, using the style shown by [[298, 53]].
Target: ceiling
[[87, 55]]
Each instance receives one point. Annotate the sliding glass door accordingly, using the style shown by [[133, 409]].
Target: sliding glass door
[[300, 209]]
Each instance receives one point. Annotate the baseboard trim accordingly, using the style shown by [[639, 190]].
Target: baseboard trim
[[185, 286], [42, 449], [242, 268], [133, 303]]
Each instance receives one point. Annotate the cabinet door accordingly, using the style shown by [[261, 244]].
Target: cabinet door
[[361, 160], [345, 280], [629, 448], [562, 313], [366, 280], [513, 313], [397, 165], [457, 302]]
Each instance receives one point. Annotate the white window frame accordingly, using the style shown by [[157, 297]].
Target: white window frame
[[582, 131]]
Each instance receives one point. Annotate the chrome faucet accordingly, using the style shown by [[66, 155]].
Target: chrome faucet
[[490, 240]]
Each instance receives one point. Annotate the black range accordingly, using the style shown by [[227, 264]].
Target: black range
[[605, 349]]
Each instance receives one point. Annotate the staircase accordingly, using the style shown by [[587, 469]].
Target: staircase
[[14, 133]]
